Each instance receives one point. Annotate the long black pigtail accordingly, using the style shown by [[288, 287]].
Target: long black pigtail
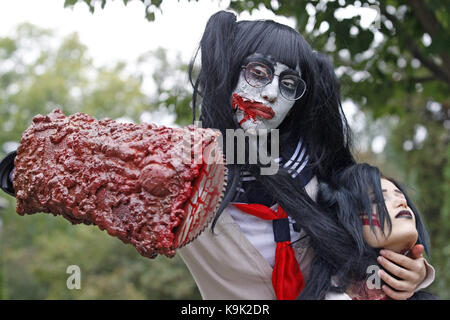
[[317, 118], [213, 86]]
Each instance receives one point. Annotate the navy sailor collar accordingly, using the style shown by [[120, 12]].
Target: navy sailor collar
[[294, 159]]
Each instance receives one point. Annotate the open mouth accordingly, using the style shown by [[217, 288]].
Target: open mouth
[[404, 214], [252, 108]]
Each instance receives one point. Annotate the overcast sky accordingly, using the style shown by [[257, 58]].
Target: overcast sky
[[121, 32]]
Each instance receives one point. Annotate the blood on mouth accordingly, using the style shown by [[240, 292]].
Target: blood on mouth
[[251, 108]]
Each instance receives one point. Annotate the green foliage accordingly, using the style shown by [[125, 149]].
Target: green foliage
[[37, 74], [393, 75], [382, 64], [173, 90], [426, 165], [150, 6]]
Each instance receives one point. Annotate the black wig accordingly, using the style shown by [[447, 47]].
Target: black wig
[[356, 189], [317, 117]]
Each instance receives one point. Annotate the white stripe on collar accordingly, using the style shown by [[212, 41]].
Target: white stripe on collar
[[301, 167], [295, 165], [294, 156], [298, 162]]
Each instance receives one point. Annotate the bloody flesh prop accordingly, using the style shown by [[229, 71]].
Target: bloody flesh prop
[[137, 182]]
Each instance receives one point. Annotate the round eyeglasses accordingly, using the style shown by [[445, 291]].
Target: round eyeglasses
[[258, 75]]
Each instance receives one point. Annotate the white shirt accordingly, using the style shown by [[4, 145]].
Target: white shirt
[[260, 232]]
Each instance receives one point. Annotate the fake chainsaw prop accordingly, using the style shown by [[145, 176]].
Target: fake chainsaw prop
[[156, 188]]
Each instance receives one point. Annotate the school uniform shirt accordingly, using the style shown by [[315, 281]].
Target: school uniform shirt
[[236, 261]]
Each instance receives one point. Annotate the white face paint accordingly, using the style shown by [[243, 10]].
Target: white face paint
[[403, 233], [269, 95]]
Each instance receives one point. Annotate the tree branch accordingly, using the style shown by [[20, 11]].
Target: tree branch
[[426, 17], [423, 79], [415, 50], [431, 25]]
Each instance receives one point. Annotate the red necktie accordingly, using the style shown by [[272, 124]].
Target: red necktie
[[287, 278]]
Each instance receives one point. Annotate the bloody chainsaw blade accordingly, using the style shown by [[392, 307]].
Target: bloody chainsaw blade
[[137, 182], [208, 191]]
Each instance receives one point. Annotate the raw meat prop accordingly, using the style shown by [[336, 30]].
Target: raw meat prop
[[154, 187]]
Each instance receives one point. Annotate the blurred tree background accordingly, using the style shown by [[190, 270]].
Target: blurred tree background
[[395, 71], [38, 73]]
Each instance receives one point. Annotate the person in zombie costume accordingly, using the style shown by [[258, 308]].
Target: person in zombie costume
[[378, 214], [259, 76]]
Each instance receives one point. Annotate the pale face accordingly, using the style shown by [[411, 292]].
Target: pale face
[[268, 95], [404, 233]]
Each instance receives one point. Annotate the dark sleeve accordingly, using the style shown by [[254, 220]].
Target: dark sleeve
[[6, 173]]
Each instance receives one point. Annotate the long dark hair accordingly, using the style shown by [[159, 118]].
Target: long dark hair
[[317, 117], [345, 201]]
